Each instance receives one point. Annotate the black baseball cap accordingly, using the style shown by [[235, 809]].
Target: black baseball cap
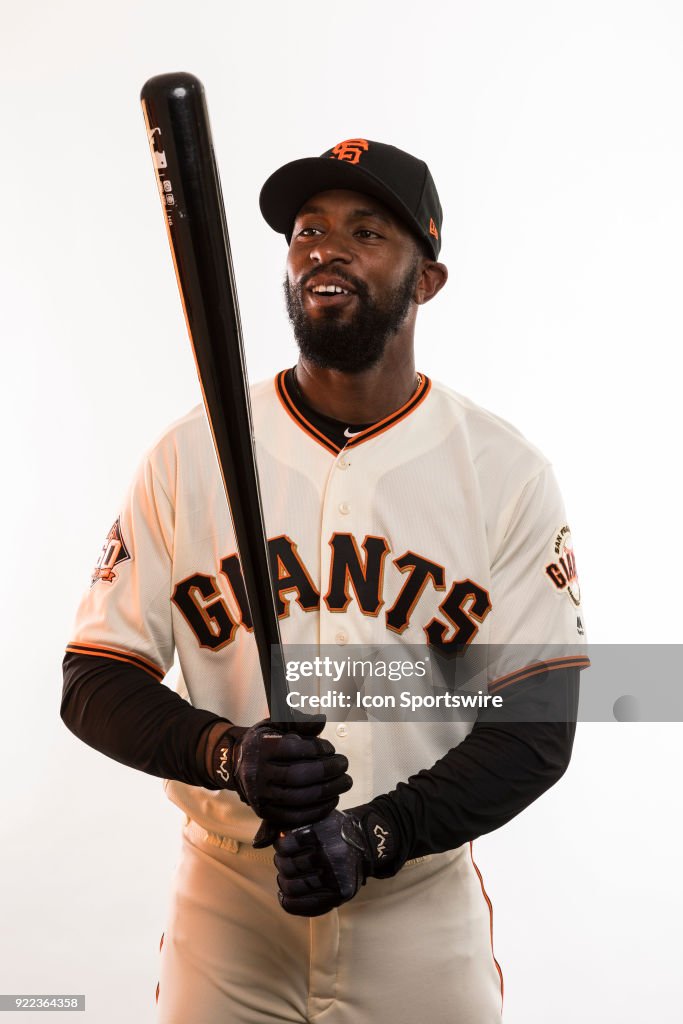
[[397, 179]]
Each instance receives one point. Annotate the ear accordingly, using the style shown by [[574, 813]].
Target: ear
[[431, 280]]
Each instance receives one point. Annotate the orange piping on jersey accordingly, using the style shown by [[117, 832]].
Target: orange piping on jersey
[[570, 661], [415, 399], [116, 655], [490, 906], [299, 419], [418, 396]]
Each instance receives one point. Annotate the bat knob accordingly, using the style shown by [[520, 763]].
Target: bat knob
[[174, 83]]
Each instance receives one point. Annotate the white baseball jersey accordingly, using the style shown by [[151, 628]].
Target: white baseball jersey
[[439, 524]]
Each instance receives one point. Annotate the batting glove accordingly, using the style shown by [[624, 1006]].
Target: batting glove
[[288, 778], [323, 865]]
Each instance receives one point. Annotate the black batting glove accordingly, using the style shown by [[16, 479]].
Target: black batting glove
[[286, 777], [323, 865]]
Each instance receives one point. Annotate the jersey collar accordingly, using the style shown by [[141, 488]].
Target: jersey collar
[[291, 407]]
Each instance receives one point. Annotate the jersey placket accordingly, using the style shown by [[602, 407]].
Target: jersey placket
[[347, 509]]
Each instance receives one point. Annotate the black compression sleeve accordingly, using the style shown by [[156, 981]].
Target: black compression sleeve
[[498, 770], [121, 711]]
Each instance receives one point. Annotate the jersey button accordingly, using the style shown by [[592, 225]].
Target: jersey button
[[343, 463], [341, 637], [342, 731], [345, 508]]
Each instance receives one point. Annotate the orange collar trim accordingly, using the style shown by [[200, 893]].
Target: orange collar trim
[[418, 396]]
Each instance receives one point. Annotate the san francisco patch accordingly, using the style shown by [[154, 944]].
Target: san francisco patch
[[561, 571], [114, 551]]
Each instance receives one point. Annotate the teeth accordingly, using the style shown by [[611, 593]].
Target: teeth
[[329, 289]]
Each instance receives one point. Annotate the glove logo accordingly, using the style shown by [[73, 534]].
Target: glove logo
[[350, 150], [222, 769], [380, 835], [113, 552]]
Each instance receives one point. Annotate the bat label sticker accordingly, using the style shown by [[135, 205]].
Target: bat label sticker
[[157, 151]]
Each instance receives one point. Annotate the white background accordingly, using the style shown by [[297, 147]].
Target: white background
[[553, 133]]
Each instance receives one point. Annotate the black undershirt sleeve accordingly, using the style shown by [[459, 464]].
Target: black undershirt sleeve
[[123, 712], [500, 768]]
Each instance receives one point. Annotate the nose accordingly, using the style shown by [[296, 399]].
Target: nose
[[330, 248]]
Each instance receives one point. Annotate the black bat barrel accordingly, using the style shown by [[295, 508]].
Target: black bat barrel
[[177, 119]]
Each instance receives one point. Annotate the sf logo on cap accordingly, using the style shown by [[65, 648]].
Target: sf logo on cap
[[350, 150]]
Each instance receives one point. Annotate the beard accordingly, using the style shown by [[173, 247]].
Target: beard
[[350, 345]]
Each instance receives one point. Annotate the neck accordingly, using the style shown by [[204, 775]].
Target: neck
[[360, 397]]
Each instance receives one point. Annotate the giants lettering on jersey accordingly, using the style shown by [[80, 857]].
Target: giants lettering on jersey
[[356, 573]]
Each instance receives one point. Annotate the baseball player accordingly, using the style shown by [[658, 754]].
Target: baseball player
[[398, 513]]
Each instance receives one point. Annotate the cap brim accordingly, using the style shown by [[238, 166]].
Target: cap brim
[[288, 188]]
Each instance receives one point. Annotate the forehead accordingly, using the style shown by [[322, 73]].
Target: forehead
[[348, 204]]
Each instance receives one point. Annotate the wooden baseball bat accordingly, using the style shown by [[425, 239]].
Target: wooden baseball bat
[[175, 111]]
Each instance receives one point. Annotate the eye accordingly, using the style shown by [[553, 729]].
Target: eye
[[368, 233], [307, 232]]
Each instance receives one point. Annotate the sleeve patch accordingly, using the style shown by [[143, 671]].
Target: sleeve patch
[[113, 552], [561, 570]]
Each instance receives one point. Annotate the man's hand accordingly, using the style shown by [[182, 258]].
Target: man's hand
[[323, 865], [288, 778]]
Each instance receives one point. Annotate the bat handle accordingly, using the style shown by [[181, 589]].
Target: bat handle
[[266, 835], [267, 832]]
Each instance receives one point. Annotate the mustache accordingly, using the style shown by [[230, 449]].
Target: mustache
[[358, 286]]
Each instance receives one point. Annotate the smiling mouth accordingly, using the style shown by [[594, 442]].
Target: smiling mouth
[[329, 296], [330, 289]]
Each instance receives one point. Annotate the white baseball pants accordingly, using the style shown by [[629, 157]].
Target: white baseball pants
[[413, 949]]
